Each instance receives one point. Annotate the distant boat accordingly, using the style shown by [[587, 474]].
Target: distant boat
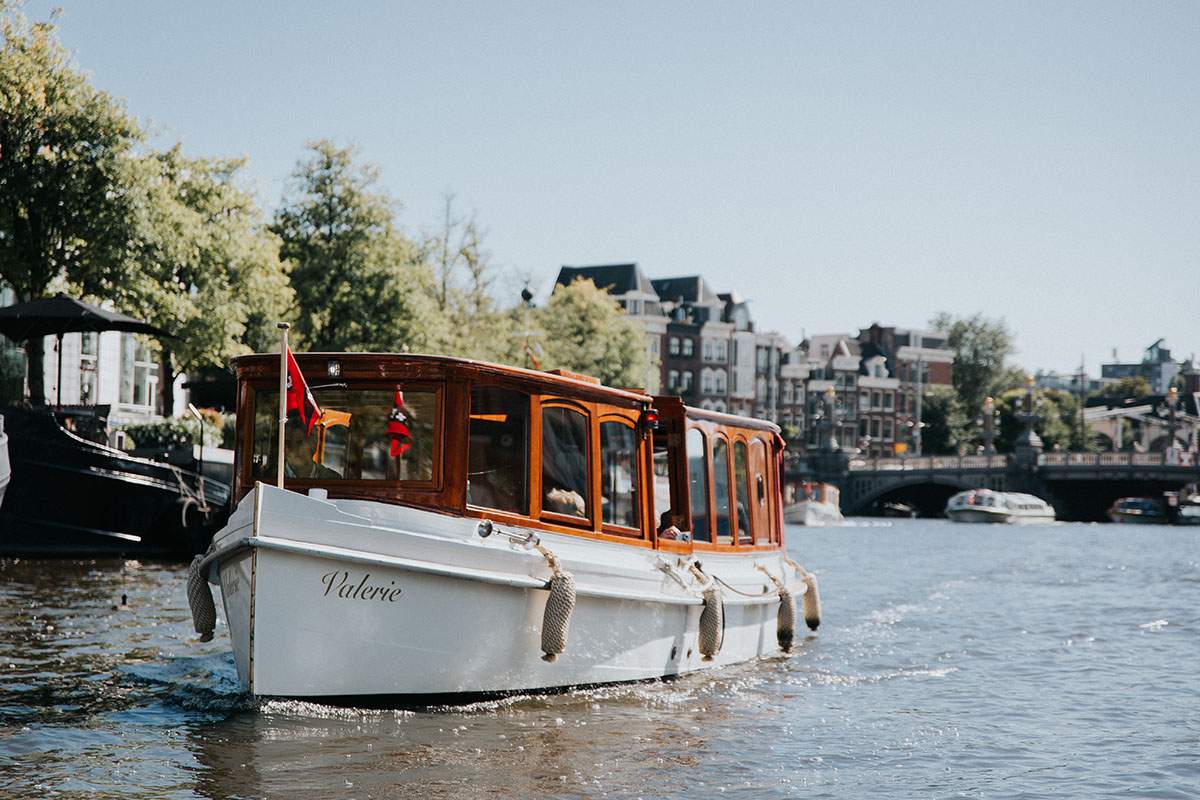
[[986, 505], [1189, 512], [817, 504], [5, 464], [1138, 511], [903, 510], [73, 497]]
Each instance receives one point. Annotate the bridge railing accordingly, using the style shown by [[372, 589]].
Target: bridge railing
[[923, 463], [1176, 458]]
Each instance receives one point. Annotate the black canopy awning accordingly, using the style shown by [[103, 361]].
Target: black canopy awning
[[54, 316]]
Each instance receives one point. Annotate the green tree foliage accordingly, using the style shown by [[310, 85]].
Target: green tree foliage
[[584, 330], [360, 284], [64, 199], [203, 267], [981, 346], [1133, 386], [947, 430]]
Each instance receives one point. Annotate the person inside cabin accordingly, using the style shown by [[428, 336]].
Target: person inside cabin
[[668, 529]]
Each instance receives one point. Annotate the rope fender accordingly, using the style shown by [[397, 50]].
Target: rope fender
[[556, 620], [812, 597], [712, 617], [200, 600], [785, 629]]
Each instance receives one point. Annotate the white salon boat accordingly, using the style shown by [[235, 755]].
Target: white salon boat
[[816, 504], [986, 505], [419, 568]]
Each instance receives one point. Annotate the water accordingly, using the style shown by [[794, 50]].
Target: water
[[954, 661]]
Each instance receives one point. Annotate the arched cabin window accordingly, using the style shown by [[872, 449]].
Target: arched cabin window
[[741, 492], [620, 504], [721, 496], [566, 467], [697, 458]]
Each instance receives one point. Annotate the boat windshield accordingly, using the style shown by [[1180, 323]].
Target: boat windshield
[[377, 434]]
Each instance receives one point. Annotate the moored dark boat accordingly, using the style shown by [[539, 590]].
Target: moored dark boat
[[73, 497]]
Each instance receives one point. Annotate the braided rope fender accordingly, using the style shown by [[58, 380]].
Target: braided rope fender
[[712, 622], [812, 602], [786, 628], [556, 621], [200, 600]]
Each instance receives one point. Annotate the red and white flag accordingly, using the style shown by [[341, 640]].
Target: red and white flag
[[299, 397]]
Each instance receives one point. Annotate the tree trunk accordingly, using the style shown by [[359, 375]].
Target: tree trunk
[[34, 357], [166, 383]]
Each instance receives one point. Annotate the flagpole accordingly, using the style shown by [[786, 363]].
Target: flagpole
[[283, 369]]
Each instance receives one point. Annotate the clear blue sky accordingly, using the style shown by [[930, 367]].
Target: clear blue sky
[[835, 163]]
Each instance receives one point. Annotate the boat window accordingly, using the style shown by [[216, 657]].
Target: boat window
[[761, 479], [498, 452], [565, 462], [741, 489], [618, 475], [697, 454], [667, 516], [721, 491], [362, 434]]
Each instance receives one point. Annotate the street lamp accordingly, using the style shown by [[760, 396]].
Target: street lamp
[[1172, 404], [988, 422]]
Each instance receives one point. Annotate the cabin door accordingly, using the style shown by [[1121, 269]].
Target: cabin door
[[762, 490]]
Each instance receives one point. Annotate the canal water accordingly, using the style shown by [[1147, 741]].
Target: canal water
[[953, 661]]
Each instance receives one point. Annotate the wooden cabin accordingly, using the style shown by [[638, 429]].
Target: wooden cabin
[[544, 450]]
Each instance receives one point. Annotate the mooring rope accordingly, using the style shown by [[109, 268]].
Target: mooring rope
[[189, 497]]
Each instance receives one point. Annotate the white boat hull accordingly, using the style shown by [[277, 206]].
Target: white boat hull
[[323, 601], [993, 516], [813, 513]]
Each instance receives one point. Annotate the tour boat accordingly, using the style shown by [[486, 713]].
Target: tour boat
[[449, 529], [1138, 511], [985, 505], [816, 504]]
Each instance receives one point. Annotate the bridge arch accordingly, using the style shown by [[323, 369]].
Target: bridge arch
[[927, 493]]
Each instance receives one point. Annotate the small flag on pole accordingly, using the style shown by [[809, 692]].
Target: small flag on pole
[[299, 397]]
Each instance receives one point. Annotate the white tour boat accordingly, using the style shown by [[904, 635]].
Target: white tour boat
[[815, 504], [986, 505], [449, 529]]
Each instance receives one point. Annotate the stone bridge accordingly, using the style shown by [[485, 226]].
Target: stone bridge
[[1081, 486]]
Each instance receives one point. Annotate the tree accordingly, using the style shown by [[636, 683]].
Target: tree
[[477, 326], [360, 284], [946, 430], [584, 330], [64, 195], [203, 266], [1132, 386], [980, 346]]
